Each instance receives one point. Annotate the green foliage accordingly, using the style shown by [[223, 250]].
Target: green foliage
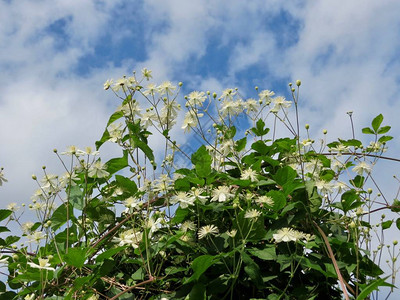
[[248, 215]]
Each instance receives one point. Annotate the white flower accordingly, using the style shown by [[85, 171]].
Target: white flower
[[115, 132], [196, 98], [129, 237], [232, 233], [98, 170], [107, 84], [183, 199], [148, 118], [13, 207], [166, 88], [362, 167], [279, 103], [376, 147], [266, 96], [265, 200], [207, 230], [340, 148], [43, 264], [188, 225], [341, 186], [4, 260], [287, 234], [251, 105], [71, 150], [196, 193], [130, 109], [30, 297], [252, 214], [221, 194], [151, 89], [2, 178], [36, 237], [228, 94], [146, 73], [191, 120], [324, 187], [27, 226], [232, 108], [131, 202], [249, 174], [121, 84]]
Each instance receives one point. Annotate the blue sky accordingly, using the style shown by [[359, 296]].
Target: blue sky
[[56, 54]]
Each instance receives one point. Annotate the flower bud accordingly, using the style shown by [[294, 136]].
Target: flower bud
[[324, 131], [298, 82], [180, 84], [395, 242], [214, 95], [369, 191], [55, 150], [307, 126]]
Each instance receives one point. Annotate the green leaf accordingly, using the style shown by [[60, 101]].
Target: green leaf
[[268, 253], [376, 122], [348, 198], [395, 206], [4, 213], [198, 292], [279, 199], [367, 130], [383, 129], [253, 270], [109, 253], [115, 116], [59, 216], [385, 138], [76, 197], [116, 164], [75, 257], [351, 143], [374, 284], [240, 144], [126, 184], [259, 130], [387, 224], [180, 215], [358, 181], [200, 265], [202, 161], [260, 147], [104, 138], [284, 175], [230, 132], [398, 223], [4, 229]]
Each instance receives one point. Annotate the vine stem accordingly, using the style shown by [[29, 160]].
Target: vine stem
[[133, 287], [332, 257]]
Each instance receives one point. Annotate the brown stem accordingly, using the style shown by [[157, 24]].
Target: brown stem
[[133, 287], [332, 257]]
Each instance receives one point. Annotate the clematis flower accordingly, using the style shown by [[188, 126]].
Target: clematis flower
[[221, 194], [207, 230], [252, 214], [249, 174], [43, 264], [362, 167], [287, 235], [2, 178], [279, 103], [98, 170]]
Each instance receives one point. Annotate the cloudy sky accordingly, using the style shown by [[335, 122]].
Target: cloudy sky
[[56, 54]]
